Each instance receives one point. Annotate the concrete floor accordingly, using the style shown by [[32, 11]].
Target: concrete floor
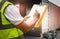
[[32, 37], [58, 34]]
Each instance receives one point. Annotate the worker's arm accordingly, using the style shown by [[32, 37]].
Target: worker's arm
[[13, 15], [27, 26], [24, 26]]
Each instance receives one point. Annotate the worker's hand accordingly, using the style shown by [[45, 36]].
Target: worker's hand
[[36, 15]]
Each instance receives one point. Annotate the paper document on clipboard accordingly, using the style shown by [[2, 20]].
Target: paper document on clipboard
[[41, 9]]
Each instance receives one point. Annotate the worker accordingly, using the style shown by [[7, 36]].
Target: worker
[[12, 24]]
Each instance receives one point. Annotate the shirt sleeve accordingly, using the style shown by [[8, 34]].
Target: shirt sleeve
[[12, 14]]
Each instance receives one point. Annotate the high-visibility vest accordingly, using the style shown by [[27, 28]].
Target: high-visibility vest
[[7, 30]]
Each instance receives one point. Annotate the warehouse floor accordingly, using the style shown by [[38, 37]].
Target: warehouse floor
[[32, 37]]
